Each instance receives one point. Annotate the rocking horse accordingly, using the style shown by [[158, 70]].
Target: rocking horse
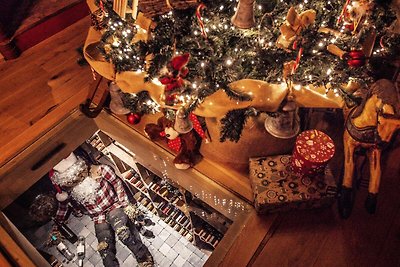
[[371, 126]]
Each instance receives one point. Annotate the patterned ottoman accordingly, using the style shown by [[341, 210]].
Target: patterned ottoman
[[277, 188]]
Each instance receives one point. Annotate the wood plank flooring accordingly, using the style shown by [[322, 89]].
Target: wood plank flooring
[[41, 87], [42, 9], [45, 84]]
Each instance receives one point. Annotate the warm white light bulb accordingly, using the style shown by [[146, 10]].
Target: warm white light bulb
[[229, 62]]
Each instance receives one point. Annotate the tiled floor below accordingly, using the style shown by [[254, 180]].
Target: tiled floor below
[[168, 247]]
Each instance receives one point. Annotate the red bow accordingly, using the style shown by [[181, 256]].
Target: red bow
[[177, 64]]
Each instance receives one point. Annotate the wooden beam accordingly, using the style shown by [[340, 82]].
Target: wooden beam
[[245, 244], [13, 250]]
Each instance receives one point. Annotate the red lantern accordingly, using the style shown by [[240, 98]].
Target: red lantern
[[133, 118], [355, 58]]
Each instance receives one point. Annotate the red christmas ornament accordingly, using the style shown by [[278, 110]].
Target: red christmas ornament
[[349, 26], [133, 118], [355, 58]]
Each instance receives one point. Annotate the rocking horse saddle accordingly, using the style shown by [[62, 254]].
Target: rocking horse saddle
[[367, 135]]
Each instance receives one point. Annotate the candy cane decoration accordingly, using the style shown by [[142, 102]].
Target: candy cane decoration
[[343, 11], [296, 65], [198, 15], [101, 5]]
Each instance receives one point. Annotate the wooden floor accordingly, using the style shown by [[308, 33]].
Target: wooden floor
[[41, 87], [46, 83], [42, 9]]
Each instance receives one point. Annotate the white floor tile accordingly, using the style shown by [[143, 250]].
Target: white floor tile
[[171, 240], [84, 232], [194, 260], [164, 234], [179, 261], [185, 253], [172, 254], [165, 263], [123, 253], [164, 249]]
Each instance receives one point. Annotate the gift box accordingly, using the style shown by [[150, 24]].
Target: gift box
[[312, 152], [276, 187]]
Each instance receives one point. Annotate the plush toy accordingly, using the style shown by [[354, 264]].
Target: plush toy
[[185, 145]]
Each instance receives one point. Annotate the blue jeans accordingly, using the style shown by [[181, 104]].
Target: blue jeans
[[119, 224]]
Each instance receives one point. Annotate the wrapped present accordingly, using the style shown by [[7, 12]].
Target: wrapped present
[[313, 150], [277, 187]]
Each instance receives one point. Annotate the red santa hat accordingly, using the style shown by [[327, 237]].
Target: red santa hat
[[65, 173]]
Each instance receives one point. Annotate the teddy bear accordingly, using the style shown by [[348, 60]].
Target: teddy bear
[[185, 145]]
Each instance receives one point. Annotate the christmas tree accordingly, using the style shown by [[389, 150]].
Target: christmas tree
[[195, 50]]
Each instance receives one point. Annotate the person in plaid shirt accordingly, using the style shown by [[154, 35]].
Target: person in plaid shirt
[[102, 194]]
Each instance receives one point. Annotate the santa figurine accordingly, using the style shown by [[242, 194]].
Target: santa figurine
[[101, 193]]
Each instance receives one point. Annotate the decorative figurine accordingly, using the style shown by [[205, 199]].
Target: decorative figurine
[[370, 125], [186, 145], [101, 193], [244, 15]]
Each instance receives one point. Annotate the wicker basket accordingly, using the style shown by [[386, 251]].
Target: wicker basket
[[151, 8]]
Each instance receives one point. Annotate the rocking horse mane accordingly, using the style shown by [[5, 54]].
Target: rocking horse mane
[[385, 90]]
